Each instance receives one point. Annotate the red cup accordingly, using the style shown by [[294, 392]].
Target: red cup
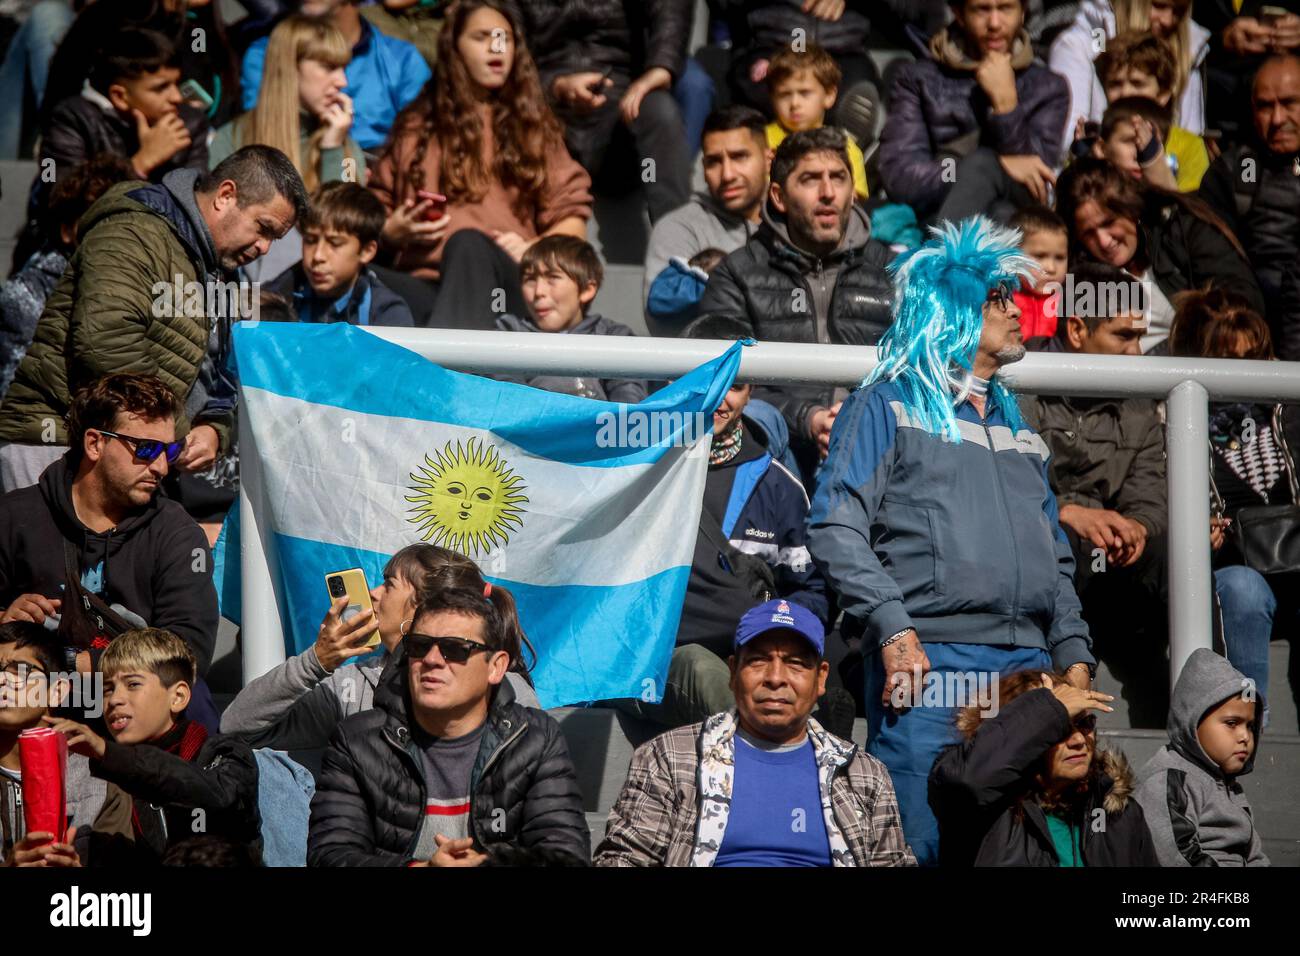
[[43, 753]]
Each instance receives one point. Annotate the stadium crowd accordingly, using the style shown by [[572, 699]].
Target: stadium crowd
[[1104, 177]]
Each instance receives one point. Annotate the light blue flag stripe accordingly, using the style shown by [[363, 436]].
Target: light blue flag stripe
[[321, 364]]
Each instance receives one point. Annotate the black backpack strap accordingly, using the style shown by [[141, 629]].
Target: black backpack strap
[[85, 615], [753, 571]]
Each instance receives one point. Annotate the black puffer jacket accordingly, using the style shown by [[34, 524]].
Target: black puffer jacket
[[580, 36], [979, 792], [774, 291], [85, 126], [1263, 210], [768, 25], [370, 793]]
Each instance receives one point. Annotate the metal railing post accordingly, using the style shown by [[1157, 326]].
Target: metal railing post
[[261, 630], [1188, 469]]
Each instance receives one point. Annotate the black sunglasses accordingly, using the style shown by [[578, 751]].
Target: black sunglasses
[[147, 449], [454, 650], [1085, 723], [1002, 294]]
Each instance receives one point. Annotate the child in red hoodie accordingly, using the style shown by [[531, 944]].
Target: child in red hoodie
[[1047, 242]]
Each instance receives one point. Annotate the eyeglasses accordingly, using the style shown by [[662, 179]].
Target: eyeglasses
[[454, 650], [1085, 723], [146, 450], [1001, 295], [20, 672]]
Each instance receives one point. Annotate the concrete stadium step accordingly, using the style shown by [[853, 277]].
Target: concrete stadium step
[[1281, 704], [15, 180], [619, 297]]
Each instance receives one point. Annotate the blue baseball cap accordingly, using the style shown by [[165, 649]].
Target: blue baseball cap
[[781, 615]]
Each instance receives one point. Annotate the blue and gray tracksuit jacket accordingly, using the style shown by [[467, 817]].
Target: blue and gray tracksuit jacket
[[959, 540]]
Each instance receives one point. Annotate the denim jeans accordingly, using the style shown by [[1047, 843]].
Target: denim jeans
[[26, 67], [693, 92], [1249, 606], [909, 743]]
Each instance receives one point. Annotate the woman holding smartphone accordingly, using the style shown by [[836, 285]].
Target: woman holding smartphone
[[297, 705], [475, 171], [302, 109]]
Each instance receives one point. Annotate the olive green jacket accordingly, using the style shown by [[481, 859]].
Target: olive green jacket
[[113, 309]]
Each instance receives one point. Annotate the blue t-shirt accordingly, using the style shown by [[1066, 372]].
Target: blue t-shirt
[[776, 810]]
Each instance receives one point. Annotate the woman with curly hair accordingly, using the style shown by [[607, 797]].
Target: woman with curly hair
[[482, 136], [1027, 786]]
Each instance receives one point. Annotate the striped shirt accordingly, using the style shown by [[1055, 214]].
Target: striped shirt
[[448, 763]]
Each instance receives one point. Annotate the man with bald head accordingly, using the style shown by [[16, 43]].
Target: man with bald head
[[1255, 186]]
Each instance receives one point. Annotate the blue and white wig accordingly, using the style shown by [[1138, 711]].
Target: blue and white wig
[[939, 293]]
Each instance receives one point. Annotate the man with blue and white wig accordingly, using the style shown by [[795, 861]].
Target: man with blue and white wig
[[934, 520]]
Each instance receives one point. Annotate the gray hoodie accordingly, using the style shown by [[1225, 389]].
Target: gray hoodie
[[1198, 816], [601, 389], [690, 229]]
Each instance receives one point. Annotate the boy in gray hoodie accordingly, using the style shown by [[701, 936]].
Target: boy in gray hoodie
[[1194, 804]]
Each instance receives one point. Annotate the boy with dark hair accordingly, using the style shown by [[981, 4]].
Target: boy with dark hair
[[561, 276], [171, 780], [1047, 242], [804, 87], [334, 281], [31, 658], [1141, 64], [131, 107], [1131, 138], [1190, 791], [447, 769]]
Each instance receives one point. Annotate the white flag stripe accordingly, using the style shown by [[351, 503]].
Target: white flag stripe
[[342, 477]]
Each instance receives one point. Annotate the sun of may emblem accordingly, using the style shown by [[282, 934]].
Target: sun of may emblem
[[467, 499]]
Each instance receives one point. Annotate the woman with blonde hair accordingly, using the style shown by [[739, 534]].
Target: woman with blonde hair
[[1098, 21], [301, 109]]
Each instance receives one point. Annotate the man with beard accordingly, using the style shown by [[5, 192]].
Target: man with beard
[[735, 157], [812, 273], [135, 298], [94, 540], [935, 523]]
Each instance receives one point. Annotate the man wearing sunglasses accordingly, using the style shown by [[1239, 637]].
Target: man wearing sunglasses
[[98, 508], [447, 769]]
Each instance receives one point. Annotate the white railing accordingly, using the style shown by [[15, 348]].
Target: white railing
[[1187, 384]]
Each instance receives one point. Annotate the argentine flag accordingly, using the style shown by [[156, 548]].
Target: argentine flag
[[587, 511]]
